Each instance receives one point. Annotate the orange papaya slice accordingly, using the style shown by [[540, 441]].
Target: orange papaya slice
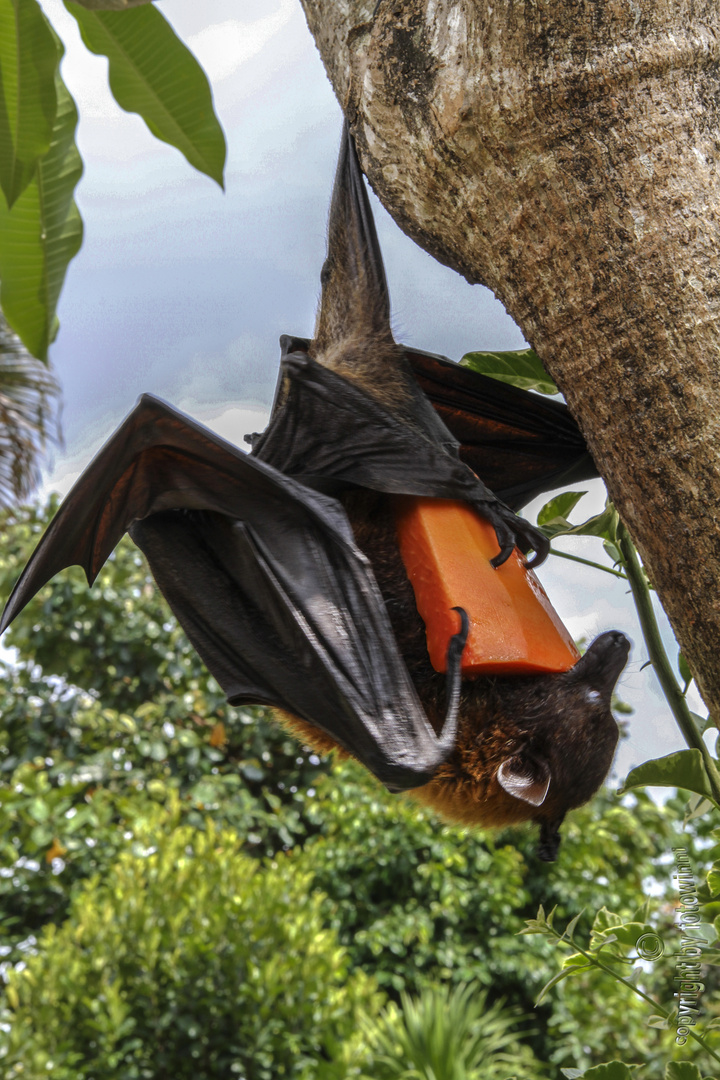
[[446, 548]]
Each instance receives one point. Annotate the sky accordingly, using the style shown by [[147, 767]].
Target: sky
[[183, 290]]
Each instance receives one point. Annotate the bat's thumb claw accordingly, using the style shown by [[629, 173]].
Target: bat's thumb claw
[[457, 641]]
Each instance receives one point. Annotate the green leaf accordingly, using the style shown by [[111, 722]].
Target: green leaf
[[713, 880], [576, 961], [542, 924], [604, 920], [39, 810], [568, 931], [112, 5], [41, 234], [522, 368], [558, 977], [682, 1070], [684, 769], [703, 722], [613, 551], [606, 939], [152, 73], [611, 1070], [559, 508], [685, 673], [553, 521], [604, 524], [29, 58], [41, 835], [697, 806]]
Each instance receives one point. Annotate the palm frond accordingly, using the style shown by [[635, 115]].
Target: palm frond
[[450, 1034], [29, 416]]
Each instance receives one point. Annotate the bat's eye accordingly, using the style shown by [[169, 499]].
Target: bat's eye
[[593, 696]]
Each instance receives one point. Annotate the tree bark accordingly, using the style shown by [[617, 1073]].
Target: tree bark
[[565, 154]]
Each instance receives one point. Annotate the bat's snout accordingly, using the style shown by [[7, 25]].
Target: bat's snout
[[601, 665]]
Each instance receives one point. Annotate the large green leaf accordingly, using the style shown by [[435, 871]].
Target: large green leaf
[[610, 1070], [29, 59], [683, 769], [552, 518], [522, 368], [41, 234], [682, 1070], [111, 5], [152, 73], [553, 521]]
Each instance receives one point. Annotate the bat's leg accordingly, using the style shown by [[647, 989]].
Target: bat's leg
[[353, 338]]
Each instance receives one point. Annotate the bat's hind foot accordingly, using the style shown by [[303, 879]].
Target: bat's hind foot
[[513, 531]]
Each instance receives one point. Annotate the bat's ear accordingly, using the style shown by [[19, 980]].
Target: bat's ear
[[549, 839], [527, 778]]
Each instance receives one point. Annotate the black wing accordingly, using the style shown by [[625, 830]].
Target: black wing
[[330, 433], [264, 576], [521, 444], [483, 442]]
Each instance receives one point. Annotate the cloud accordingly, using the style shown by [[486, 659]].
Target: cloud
[[223, 47]]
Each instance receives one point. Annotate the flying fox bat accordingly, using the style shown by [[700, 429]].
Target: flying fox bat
[[282, 565]]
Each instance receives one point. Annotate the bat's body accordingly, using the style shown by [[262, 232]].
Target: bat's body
[[550, 726], [283, 567]]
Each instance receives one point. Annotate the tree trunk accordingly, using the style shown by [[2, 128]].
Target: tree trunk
[[564, 153]]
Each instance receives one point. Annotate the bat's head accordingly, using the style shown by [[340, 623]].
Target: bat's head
[[531, 748], [568, 740]]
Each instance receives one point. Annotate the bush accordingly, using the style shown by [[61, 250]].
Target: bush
[[449, 1035], [190, 961], [416, 903], [110, 712]]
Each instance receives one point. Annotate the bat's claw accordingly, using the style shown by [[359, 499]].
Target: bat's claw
[[536, 541], [513, 531]]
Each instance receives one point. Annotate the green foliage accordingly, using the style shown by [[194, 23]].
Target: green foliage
[[65, 818], [609, 1070], [118, 639], [111, 5], [186, 960], [28, 64], [683, 1070], [152, 73], [521, 368], [417, 903], [28, 398], [695, 769], [78, 778], [42, 231], [407, 895], [610, 961], [87, 768], [617, 1070], [449, 1034], [683, 769], [552, 520]]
